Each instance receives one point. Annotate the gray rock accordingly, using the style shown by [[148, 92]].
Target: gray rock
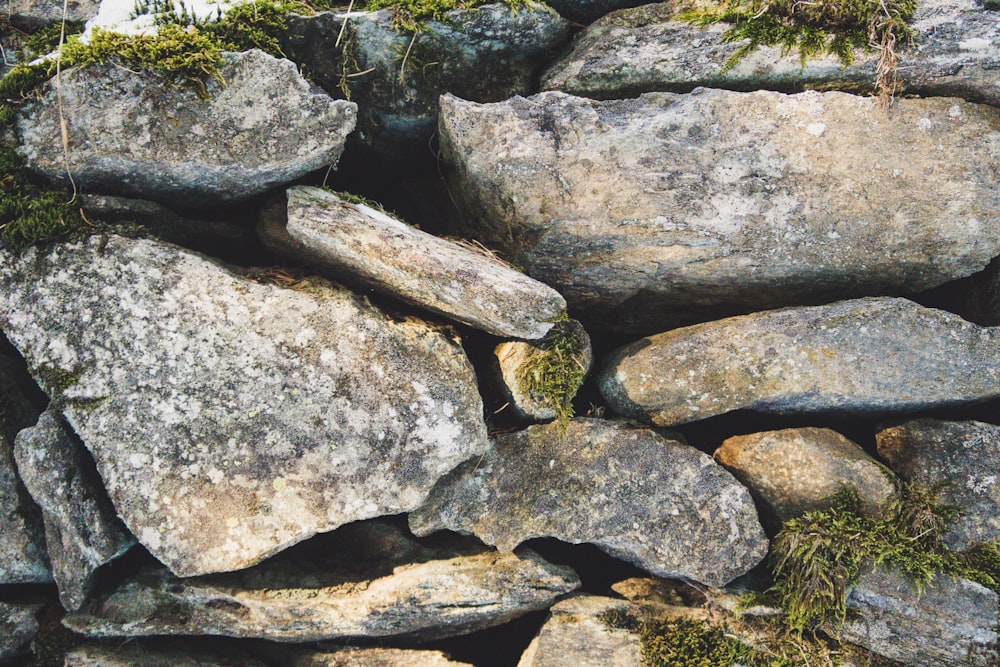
[[137, 654], [648, 500], [588, 11], [950, 623], [363, 657], [33, 14], [82, 531], [366, 581], [646, 49], [18, 626], [230, 419], [962, 457], [141, 135], [670, 209], [575, 636], [798, 470], [876, 355], [356, 243]]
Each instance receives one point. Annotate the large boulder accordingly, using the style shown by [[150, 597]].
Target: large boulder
[[669, 209], [647, 49], [140, 134], [643, 498], [876, 355], [230, 419]]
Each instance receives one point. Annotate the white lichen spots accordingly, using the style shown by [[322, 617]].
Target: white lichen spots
[[925, 124], [279, 484], [975, 44], [305, 336], [816, 129], [232, 522], [215, 475], [981, 485], [955, 111], [150, 538]]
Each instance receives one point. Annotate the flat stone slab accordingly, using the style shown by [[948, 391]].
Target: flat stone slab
[[230, 419], [876, 355], [362, 657], [357, 243], [652, 213], [136, 654], [654, 502], [575, 636]]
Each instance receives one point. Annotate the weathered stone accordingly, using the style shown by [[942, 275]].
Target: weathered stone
[[230, 419], [646, 49], [648, 500], [575, 636], [141, 135], [863, 356], [355, 243], [964, 459], [365, 581], [33, 14], [588, 11], [949, 623], [670, 209], [362, 657], [798, 470], [82, 530], [18, 626], [137, 654]]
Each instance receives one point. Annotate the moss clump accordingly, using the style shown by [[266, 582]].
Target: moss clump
[[255, 25], [412, 15], [31, 214], [46, 40], [554, 372]]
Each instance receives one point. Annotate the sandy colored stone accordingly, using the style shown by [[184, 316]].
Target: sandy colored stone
[[575, 636]]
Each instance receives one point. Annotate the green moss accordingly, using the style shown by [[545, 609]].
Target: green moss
[[554, 373], [411, 15], [255, 25], [56, 380], [46, 40]]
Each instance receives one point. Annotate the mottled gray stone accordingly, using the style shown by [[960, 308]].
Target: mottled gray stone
[[876, 355], [798, 470], [962, 457], [575, 636], [356, 243], [365, 581], [230, 419], [949, 623], [137, 654], [588, 11], [643, 498], [671, 209], [362, 657], [18, 626], [82, 530], [646, 49], [33, 14], [141, 135]]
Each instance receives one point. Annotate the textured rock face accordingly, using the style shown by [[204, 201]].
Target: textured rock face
[[134, 654], [356, 243], [951, 622], [82, 531], [368, 581], [231, 419], [645, 49], [657, 503], [142, 135], [669, 209], [367, 657], [32, 14], [588, 11], [18, 627], [865, 355], [575, 636], [797, 470], [961, 456]]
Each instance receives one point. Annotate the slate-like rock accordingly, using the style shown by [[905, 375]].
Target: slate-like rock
[[82, 530], [646, 49], [137, 654], [655, 502], [576, 636], [139, 134], [366, 581], [875, 355], [964, 459], [950, 623], [355, 243], [650, 213], [230, 419], [18, 626], [798, 470]]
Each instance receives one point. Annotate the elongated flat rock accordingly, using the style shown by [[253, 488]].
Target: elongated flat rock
[[867, 355], [648, 500], [356, 243], [141, 135], [136, 654], [646, 49], [230, 419], [651, 213]]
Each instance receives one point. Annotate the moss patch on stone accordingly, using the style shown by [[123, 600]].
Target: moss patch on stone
[[412, 15], [555, 372], [30, 213]]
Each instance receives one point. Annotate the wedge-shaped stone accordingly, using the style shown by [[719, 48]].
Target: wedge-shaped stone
[[576, 636], [867, 355], [646, 49], [356, 243], [658, 503], [139, 134], [668, 209], [230, 419], [366, 581]]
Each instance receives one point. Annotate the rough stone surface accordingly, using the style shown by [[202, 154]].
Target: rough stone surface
[[82, 530], [365, 581], [230, 419], [356, 243], [33, 14], [588, 11], [951, 623], [18, 626], [575, 636], [137, 654], [797, 470], [963, 457], [874, 355], [670, 209], [645, 49], [645, 499], [364, 657], [141, 135]]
